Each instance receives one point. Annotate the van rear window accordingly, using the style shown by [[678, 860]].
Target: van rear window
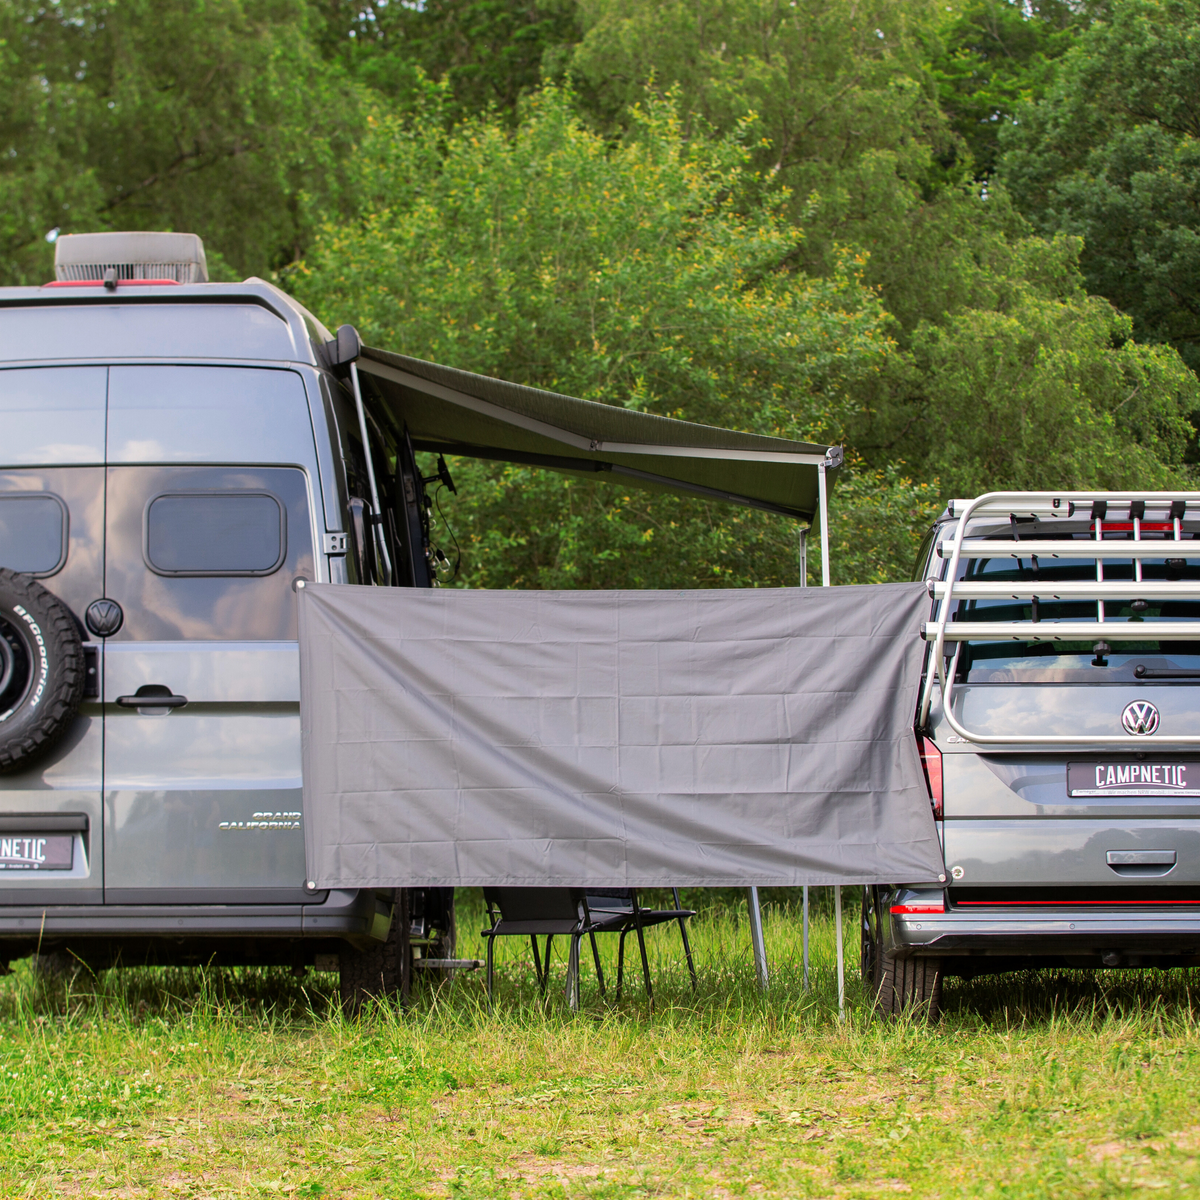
[[1044, 659], [215, 533], [33, 533]]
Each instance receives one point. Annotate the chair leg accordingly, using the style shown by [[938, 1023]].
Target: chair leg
[[537, 963], [596, 960], [573, 974], [637, 916], [405, 945], [687, 946], [621, 962], [546, 971], [491, 942]]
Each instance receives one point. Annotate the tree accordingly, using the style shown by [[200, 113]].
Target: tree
[[211, 116], [995, 55], [490, 53], [1112, 155], [629, 274], [1041, 386]]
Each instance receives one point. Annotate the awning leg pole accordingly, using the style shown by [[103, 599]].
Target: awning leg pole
[[804, 924], [756, 936], [841, 962], [804, 558], [823, 499]]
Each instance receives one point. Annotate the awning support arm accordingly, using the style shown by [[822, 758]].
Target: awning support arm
[[377, 511]]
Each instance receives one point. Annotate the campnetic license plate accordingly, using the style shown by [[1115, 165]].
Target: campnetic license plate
[[36, 851], [1149, 778]]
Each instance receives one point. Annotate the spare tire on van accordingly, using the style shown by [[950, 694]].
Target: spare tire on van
[[42, 669]]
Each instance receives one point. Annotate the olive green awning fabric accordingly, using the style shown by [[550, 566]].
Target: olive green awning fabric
[[457, 412]]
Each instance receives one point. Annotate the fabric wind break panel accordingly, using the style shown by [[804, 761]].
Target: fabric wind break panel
[[639, 738]]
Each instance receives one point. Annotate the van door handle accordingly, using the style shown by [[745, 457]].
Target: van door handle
[[152, 695], [1141, 858]]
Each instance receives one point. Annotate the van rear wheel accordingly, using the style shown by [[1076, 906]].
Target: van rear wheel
[[42, 670], [382, 971]]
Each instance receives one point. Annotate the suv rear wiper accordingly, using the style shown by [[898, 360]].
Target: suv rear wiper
[[1141, 672]]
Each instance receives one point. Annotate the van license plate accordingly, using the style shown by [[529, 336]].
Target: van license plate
[[1149, 778], [36, 852]]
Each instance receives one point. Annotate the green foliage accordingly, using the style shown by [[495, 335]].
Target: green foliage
[[627, 274], [489, 52], [1044, 390], [845, 116], [877, 521], [996, 55], [827, 79], [1112, 155], [205, 115]]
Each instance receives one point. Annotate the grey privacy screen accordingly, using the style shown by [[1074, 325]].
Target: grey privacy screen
[[646, 738]]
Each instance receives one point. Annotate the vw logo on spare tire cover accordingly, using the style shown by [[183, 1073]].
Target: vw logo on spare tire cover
[[104, 617], [1140, 717]]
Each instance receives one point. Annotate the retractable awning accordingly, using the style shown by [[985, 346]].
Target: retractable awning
[[456, 412]]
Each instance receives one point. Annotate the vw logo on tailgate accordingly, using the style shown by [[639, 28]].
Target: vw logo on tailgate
[[1140, 717]]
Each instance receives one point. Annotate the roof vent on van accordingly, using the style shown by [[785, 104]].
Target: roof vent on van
[[86, 257]]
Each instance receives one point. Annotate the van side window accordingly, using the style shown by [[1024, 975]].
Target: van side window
[[215, 533], [33, 533]]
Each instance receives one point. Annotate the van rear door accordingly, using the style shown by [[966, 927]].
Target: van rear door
[[204, 544], [52, 527]]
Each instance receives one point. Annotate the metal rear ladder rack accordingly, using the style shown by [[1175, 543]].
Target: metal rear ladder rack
[[1160, 514]]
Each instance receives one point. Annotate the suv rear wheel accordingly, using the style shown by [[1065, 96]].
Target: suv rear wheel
[[897, 985]]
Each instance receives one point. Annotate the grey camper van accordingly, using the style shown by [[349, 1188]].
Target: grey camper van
[[1060, 730], [176, 458]]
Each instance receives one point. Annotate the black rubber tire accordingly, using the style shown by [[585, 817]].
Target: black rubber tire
[[42, 670], [910, 986], [900, 986], [380, 971]]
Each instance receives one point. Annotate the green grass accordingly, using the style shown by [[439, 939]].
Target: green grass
[[246, 1083]]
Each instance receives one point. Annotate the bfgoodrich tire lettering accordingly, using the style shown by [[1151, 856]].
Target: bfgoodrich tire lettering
[[42, 670]]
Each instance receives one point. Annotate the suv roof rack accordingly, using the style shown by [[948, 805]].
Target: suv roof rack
[[1131, 515]]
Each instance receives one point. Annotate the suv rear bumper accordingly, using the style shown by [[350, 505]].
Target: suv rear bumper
[[1060, 933], [357, 915]]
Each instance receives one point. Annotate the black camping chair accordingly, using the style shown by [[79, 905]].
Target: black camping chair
[[574, 912], [614, 910], [533, 911]]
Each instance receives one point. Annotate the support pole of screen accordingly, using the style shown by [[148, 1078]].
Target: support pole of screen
[[823, 500], [376, 511], [756, 936], [804, 905], [805, 921]]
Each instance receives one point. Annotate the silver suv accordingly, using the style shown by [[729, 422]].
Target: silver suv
[[175, 457], [1060, 732]]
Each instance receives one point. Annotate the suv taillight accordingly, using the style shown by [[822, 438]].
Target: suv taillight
[[931, 761]]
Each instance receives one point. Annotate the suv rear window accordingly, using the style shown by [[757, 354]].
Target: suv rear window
[[1047, 661], [33, 533], [215, 533]]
